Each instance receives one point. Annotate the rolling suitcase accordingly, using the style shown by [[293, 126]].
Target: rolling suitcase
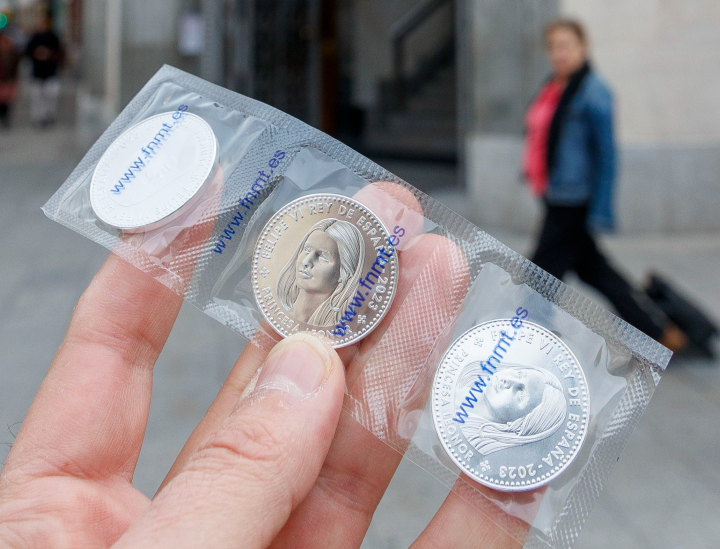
[[698, 327]]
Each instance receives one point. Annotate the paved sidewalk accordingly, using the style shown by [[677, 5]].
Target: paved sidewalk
[[664, 492]]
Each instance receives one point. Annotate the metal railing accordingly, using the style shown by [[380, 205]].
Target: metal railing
[[400, 30]]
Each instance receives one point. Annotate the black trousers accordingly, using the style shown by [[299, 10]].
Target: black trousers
[[5, 114], [566, 245]]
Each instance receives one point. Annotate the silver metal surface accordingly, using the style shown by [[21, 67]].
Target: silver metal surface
[[325, 264], [154, 171], [510, 404]]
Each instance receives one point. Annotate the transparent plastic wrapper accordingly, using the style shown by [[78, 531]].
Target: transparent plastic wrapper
[[507, 385]]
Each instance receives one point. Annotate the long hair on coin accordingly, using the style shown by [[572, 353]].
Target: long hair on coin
[[488, 436], [351, 250]]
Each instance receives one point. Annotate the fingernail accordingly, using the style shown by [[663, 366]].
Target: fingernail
[[298, 366]]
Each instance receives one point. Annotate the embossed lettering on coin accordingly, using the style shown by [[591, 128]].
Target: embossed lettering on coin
[[325, 264], [510, 404]]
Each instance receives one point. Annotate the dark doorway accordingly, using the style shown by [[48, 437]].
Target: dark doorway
[[379, 76], [397, 93]]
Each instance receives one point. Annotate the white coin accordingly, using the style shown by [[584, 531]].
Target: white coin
[[510, 404], [152, 173]]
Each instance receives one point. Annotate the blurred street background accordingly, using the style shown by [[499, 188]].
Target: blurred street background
[[435, 91]]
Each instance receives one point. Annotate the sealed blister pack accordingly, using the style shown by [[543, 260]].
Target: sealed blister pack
[[462, 355]]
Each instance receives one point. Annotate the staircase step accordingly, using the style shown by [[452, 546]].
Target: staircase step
[[425, 129], [424, 175], [413, 122], [410, 144], [441, 107], [444, 77], [443, 92]]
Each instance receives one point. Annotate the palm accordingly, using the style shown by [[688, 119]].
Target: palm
[[74, 512]]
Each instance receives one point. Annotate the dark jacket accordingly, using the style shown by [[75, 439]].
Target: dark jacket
[[45, 66]]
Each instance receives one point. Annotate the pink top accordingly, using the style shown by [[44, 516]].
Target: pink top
[[537, 121]]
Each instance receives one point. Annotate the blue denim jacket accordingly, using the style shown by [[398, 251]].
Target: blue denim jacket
[[584, 168]]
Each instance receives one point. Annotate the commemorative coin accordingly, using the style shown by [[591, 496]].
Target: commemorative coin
[[154, 171], [325, 264], [510, 404]]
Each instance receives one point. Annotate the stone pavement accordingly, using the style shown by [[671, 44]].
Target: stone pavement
[[663, 493]]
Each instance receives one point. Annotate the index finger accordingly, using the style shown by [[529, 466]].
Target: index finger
[[88, 418], [474, 517], [393, 371]]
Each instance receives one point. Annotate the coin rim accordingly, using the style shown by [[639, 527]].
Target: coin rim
[[185, 205], [395, 269], [512, 487]]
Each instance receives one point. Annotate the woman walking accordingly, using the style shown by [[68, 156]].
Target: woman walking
[[570, 162]]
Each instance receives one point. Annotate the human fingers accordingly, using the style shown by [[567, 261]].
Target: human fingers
[[477, 517], [243, 481], [89, 415], [358, 470], [237, 381], [395, 205], [386, 400]]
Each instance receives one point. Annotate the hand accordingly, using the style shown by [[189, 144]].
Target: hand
[[259, 471]]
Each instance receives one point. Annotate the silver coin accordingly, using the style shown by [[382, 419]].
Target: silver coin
[[325, 264], [154, 171], [510, 404]]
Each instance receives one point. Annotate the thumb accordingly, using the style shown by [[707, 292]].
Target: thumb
[[245, 479]]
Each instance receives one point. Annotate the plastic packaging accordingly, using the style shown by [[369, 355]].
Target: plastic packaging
[[451, 277]]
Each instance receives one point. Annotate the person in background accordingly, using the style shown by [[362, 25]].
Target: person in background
[[9, 62], [8, 78], [569, 161], [46, 53]]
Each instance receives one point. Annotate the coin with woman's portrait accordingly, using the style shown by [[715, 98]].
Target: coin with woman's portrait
[[510, 404], [326, 264]]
